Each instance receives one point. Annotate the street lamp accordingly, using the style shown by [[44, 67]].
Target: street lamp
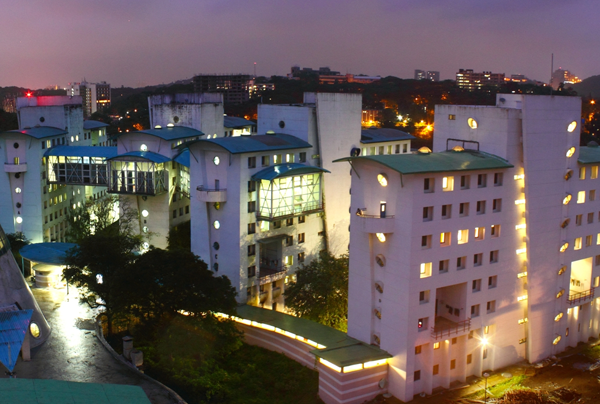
[[486, 375]]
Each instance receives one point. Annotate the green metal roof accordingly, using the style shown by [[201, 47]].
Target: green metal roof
[[436, 162], [47, 253], [376, 135], [236, 122], [91, 124], [168, 133], [589, 154], [341, 350], [42, 391], [38, 132], [285, 170], [183, 158], [257, 143], [83, 151], [146, 155]]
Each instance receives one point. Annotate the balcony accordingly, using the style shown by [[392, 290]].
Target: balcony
[[15, 168], [276, 293], [270, 274], [263, 297], [578, 298], [376, 224], [445, 328], [211, 195]]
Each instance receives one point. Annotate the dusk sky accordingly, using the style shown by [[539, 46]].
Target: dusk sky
[[146, 42]]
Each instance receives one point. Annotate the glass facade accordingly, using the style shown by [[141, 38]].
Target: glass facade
[[77, 170], [137, 177], [289, 196]]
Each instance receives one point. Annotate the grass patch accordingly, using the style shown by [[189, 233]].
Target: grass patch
[[592, 352], [497, 391]]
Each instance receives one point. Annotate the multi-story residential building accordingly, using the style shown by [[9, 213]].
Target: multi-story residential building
[[562, 76], [430, 75], [470, 80], [234, 87], [481, 253], [94, 96], [102, 96]]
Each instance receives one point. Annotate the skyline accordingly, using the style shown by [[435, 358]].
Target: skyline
[[151, 42]]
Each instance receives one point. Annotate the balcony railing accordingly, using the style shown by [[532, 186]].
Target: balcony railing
[[269, 274], [211, 195], [376, 223], [581, 297], [450, 328]]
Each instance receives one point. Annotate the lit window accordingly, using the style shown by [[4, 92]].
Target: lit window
[[382, 178], [425, 270], [594, 172], [495, 230], [556, 340], [577, 244], [381, 237], [564, 247], [571, 127], [217, 224], [558, 317], [436, 345], [582, 173], [479, 233], [571, 152], [567, 199], [472, 123], [445, 239], [144, 212], [463, 236], [581, 197], [143, 147], [448, 183]]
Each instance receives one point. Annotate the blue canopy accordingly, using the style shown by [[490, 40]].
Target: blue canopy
[[285, 170], [146, 155], [13, 326], [47, 253]]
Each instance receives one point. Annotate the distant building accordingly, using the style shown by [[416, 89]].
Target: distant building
[[563, 76], [234, 87], [95, 96], [328, 76], [468, 79], [433, 76], [427, 75], [371, 117], [255, 89], [419, 74], [9, 103]]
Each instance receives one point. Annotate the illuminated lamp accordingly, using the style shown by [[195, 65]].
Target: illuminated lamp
[[143, 147], [217, 224], [170, 125], [564, 247], [567, 199], [424, 150], [381, 237], [472, 123], [382, 179], [458, 148], [29, 94], [146, 245], [571, 127], [145, 213], [19, 219], [571, 152], [157, 127], [484, 341], [34, 330]]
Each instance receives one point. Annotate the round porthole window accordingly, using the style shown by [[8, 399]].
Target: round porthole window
[[34, 330], [176, 119], [18, 175], [16, 145], [216, 160], [572, 126], [143, 148], [380, 259], [567, 199], [217, 224], [216, 246], [281, 124], [571, 152], [42, 119], [145, 229], [472, 123], [18, 190], [382, 178], [145, 213], [217, 205], [381, 237], [216, 267], [19, 205], [19, 219]]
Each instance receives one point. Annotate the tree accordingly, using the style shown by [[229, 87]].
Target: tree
[[180, 236], [17, 241], [320, 292]]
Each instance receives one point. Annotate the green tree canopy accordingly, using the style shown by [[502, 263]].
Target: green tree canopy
[[320, 292]]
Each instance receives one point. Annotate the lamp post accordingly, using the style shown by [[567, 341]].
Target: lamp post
[[486, 375]]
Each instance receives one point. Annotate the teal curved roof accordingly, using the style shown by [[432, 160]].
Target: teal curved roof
[[257, 143], [286, 170], [183, 158], [236, 122], [47, 253], [168, 133], [91, 124], [82, 151], [146, 155], [436, 162], [376, 135], [39, 132], [589, 155]]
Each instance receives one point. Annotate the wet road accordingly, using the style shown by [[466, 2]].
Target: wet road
[[73, 353]]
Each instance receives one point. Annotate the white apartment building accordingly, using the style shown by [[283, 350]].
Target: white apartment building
[[482, 253]]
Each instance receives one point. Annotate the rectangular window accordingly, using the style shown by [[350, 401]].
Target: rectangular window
[[180, 211], [424, 296], [461, 262], [277, 159], [289, 241], [492, 282], [418, 350], [265, 226], [251, 206], [482, 181], [251, 271], [494, 256], [465, 181], [597, 281], [448, 184], [451, 117], [426, 242], [495, 230], [251, 186], [301, 219], [175, 214], [446, 211], [428, 213], [425, 270], [445, 239], [581, 197], [187, 209], [498, 177], [436, 345], [582, 173], [289, 158], [289, 222], [436, 369], [491, 306], [397, 149], [288, 260], [577, 244], [475, 310], [302, 157], [594, 172], [422, 324], [428, 185], [476, 285], [463, 209], [265, 161], [479, 233], [588, 241], [597, 260], [277, 224], [252, 162], [485, 351], [453, 364], [251, 250], [477, 259], [444, 264], [300, 238], [301, 257], [417, 376], [389, 149], [590, 218], [578, 220], [405, 148], [251, 228], [480, 207], [469, 359], [462, 236], [497, 205], [381, 150], [592, 195]]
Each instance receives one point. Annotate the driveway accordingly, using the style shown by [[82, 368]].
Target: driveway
[[73, 353]]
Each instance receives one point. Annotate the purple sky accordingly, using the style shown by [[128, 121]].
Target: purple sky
[[145, 42]]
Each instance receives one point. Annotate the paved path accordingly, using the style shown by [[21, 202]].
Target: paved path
[[73, 353]]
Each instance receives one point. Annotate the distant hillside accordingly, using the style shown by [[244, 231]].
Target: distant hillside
[[589, 86]]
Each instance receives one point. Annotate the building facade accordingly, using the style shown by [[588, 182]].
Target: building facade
[[470, 80], [482, 253]]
